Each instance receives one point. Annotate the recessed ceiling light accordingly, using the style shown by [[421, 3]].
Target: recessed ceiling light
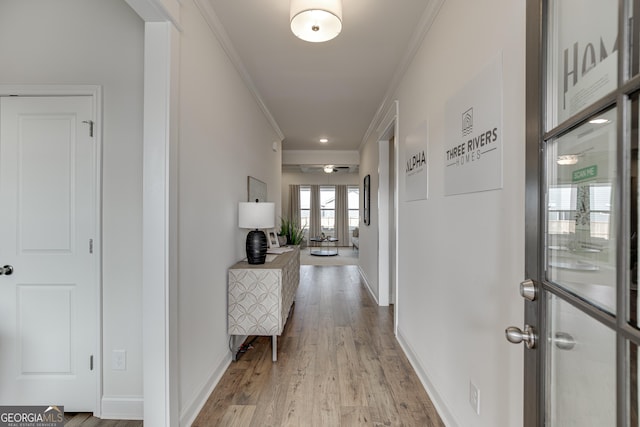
[[598, 121], [324, 140]]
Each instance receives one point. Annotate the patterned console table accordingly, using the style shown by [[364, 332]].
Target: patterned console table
[[260, 296]]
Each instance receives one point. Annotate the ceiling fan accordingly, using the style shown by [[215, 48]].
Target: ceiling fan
[[333, 168]]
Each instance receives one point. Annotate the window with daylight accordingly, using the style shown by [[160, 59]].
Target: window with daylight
[[305, 208], [353, 196], [328, 210]]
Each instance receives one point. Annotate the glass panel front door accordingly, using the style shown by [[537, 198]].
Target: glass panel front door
[[583, 85]]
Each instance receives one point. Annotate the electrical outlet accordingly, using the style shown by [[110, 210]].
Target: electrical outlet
[[474, 397], [119, 360]]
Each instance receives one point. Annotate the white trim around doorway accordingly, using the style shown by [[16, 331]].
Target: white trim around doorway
[[387, 129]]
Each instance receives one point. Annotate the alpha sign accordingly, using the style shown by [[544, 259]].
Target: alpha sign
[[473, 146], [416, 174]]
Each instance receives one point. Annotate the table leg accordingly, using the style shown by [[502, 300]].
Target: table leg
[[274, 348]]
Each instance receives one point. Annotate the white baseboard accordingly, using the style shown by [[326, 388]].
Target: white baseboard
[[122, 408], [366, 283], [132, 407], [192, 409], [443, 410]]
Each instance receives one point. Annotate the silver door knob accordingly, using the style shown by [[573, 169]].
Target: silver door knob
[[7, 270], [564, 341], [516, 335]]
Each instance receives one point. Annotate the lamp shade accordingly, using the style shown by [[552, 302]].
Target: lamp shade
[[316, 20], [256, 215]]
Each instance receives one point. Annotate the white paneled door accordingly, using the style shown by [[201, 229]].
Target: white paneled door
[[49, 302]]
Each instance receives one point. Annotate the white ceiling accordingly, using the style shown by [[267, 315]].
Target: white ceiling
[[312, 90]]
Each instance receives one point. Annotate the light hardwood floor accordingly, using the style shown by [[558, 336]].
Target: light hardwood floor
[[86, 420], [339, 364]]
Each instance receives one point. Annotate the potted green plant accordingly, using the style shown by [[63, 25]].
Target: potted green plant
[[291, 230]]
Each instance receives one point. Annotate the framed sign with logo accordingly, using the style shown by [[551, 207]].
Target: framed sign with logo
[[472, 153]]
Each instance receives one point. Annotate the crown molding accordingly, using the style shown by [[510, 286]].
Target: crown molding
[[426, 20], [156, 11], [220, 33]]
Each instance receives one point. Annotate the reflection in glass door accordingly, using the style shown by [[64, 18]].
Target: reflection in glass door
[[581, 243], [581, 258]]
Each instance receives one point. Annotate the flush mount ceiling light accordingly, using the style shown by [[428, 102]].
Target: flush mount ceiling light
[[316, 20], [567, 159], [324, 140]]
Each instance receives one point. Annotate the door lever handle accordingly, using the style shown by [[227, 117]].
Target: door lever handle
[[7, 270]]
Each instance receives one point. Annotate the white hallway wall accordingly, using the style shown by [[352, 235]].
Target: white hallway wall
[[76, 48], [461, 257], [224, 137], [368, 253]]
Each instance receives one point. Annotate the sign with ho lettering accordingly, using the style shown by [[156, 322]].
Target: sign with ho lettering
[[472, 151]]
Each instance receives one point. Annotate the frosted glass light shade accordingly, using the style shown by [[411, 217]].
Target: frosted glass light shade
[[256, 215], [316, 20], [567, 159]]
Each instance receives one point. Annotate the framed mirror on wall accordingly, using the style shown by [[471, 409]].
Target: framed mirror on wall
[[367, 199], [257, 190]]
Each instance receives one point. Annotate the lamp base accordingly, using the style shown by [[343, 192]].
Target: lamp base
[[256, 247]]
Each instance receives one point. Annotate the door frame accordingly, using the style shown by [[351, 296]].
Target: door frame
[[388, 128], [95, 92], [533, 383]]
